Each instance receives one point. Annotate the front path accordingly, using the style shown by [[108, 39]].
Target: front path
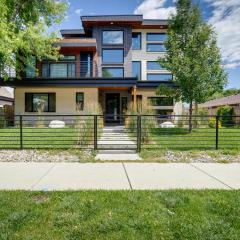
[[76, 176]]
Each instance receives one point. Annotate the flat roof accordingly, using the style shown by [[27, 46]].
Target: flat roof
[[77, 42]]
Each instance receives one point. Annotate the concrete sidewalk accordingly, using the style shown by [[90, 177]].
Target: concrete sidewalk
[[77, 176]]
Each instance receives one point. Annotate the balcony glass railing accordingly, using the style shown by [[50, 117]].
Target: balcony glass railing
[[68, 69]]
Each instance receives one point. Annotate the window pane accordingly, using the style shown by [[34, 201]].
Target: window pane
[[112, 72], [161, 101], [112, 37], [40, 102], [156, 37], [155, 47], [136, 41], [58, 70], [154, 66], [79, 101], [31, 67], [71, 70], [136, 69], [45, 70], [159, 77], [112, 55], [68, 58]]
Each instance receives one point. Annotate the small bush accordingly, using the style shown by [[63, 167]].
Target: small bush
[[212, 123], [226, 114]]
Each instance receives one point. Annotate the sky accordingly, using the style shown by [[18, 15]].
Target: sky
[[223, 15]]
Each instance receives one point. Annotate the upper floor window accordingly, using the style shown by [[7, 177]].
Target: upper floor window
[[112, 56], [40, 102], [136, 41], [112, 72], [155, 47], [112, 37], [136, 69], [31, 67], [159, 77], [155, 42], [154, 65], [156, 37]]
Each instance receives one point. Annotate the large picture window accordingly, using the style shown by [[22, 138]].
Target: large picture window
[[136, 41], [112, 72], [159, 77], [112, 37], [40, 102], [112, 56], [79, 101]]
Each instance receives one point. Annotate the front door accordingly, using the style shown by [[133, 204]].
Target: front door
[[112, 108]]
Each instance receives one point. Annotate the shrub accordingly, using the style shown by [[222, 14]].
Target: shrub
[[212, 123], [226, 114]]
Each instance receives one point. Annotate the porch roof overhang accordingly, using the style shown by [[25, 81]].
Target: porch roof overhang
[[70, 82], [155, 84]]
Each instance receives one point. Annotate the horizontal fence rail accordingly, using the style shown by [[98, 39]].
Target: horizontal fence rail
[[138, 132]]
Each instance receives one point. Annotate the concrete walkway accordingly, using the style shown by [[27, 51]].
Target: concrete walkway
[[115, 144], [77, 176]]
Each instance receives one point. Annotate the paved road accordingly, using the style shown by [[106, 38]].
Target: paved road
[[74, 176]]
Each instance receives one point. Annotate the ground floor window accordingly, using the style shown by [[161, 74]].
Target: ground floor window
[[79, 101], [40, 102], [160, 101]]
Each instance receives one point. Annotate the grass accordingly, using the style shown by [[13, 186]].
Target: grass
[[166, 215], [200, 139]]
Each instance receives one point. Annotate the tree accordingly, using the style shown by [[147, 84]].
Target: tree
[[24, 32], [225, 93], [192, 56]]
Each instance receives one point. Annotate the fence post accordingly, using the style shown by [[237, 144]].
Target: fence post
[[217, 128], [95, 132], [139, 133], [21, 133]]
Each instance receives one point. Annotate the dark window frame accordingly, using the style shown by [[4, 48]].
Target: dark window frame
[[113, 62], [114, 68], [140, 40], [81, 101], [112, 44], [32, 96], [140, 77], [160, 74]]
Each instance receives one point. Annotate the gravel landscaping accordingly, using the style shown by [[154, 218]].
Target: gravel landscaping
[[147, 156], [44, 156]]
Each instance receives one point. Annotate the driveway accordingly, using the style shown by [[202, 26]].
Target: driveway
[[115, 176]]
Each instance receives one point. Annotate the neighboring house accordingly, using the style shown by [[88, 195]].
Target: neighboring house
[[213, 105], [6, 97], [111, 62]]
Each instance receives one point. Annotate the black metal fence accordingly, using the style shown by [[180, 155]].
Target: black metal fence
[[136, 132]]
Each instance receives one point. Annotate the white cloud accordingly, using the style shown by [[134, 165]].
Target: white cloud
[[154, 9], [226, 21], [78, 11]]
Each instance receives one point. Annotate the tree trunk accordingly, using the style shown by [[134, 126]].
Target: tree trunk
[[196, 114], [190, 116]]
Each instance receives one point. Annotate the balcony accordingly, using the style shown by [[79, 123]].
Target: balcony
[[67, 69]]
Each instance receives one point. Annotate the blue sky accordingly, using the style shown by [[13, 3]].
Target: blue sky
[[224, 15]]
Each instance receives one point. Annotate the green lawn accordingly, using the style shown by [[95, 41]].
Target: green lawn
[[200, 139], [180, 215]]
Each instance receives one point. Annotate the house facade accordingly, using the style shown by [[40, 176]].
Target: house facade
[[111, 64]]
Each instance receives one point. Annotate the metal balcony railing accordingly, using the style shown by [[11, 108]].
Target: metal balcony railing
[[67, 69]]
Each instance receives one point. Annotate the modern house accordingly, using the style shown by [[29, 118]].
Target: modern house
[[111, 62]]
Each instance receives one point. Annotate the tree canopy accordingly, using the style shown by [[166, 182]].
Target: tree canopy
[[24, 31], [192, 55]]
